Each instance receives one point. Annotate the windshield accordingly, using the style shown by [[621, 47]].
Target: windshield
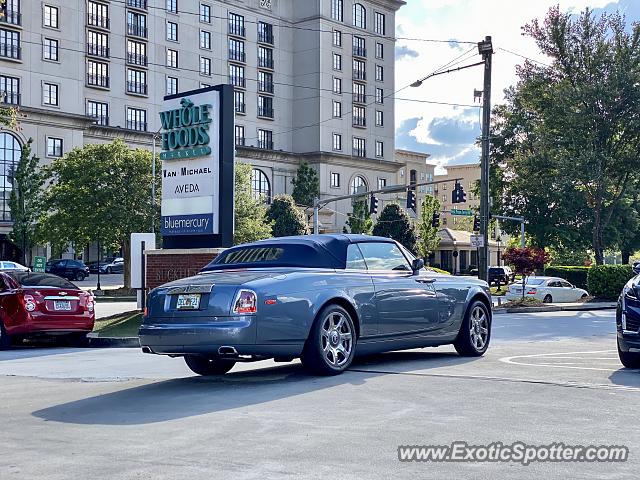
[[30, 279], [535, 281]]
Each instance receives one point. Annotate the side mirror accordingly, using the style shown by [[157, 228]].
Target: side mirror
[[417, 265], [636, 268]]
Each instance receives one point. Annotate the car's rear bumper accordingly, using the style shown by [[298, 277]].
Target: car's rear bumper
[[52, 325]]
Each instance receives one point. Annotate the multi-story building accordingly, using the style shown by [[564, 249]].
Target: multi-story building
[[416, 169], [469, 176], [314, 81]]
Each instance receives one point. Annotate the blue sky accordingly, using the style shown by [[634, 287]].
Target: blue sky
[[448, 132]]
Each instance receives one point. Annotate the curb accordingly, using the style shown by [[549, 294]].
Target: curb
[[113, 342], [568, 308], [100, 299]]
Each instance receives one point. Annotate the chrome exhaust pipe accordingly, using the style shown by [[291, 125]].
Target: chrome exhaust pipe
[[225, 350]]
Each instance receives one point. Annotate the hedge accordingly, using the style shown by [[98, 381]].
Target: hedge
[[575, 275], [606, 281]]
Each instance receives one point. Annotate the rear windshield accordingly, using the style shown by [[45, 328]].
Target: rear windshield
[[496, 270], [30, 279], [535, 281], [253, 255]]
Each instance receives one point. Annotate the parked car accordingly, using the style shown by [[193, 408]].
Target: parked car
[[43, 304], [628, 322], [13, 266], [108, 265], [69, 269], [547, 289], [502, 274], [323, 298]]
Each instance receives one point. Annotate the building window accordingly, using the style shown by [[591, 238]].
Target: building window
[[172, 58], [379, 22], [359, 16], [136, 119], [236, 76], [205, 66], [337, 85], [337, 61], [97, 44], [9, 90], [50, 94], [337, 10], [379, 50], [98, 14], [50, 49], [11, 12], [172, 85], [239, 134], [97, 74], [265, 57], [265, 139], [359, 116], [54, 147], [379, 95], [265, 106], [239, 101], [137, 24], [205, 39], [236, 25], [337, 109], [265, 82], [136, 81], [136, 53], [337, 142], [382, 183], [265, 33], [358, 185], [9, 44], [337, 38], [379, 118], [205, 13], [98, 111], [379, 73], [359, 46], [335, 180], [236, 50], [359, 147], [172, 6], [359, 92], [260, 187], [359, 69], [10, 151], [379, 148], [51, 16], [172, 31]]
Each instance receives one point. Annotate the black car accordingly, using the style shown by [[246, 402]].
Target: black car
[[628, 322], [504, 275], [69, 269]]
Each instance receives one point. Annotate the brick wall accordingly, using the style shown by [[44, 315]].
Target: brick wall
[[163, 266]]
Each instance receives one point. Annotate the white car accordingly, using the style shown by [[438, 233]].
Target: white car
[[13, 266], [547, 290]]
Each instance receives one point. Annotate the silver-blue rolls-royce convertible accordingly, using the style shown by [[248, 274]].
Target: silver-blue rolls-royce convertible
[[323, 298]]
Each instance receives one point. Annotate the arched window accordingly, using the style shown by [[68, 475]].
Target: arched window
[[359, 16], [10, 151], [357, 183], [260, 185]]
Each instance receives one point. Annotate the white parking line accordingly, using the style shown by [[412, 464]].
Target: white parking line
[[561, 356]]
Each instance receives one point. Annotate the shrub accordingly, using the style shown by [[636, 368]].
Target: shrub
[[574, 275], [606, 281]]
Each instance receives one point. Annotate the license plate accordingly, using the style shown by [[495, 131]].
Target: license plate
[[189, 301], [62, 305]]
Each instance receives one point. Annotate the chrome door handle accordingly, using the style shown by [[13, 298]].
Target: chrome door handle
[[425, 280]]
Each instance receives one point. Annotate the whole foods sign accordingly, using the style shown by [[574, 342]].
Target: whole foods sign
[[197, 168]]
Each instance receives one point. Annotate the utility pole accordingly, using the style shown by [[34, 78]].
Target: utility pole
[[485, 48]]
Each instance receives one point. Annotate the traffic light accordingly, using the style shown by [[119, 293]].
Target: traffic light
[[458, 195], [373, 205], [476, 223], [411, 199], [435, 222]]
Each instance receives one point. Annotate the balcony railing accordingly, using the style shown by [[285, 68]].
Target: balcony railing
[[240, 107], [359, 75], [141, 4], [265, 37], [8, 50], [265, 144], [265, 87], [266, 112], [98, 21], [237, 81], [359, 51], [136, 125], [237, 55], [98, 80], [137, 30], [359, 98], [237, 30], [102, 120], [137, 59], [12, 17], [138, 88], [240, 141], [265, 62], [360, 152], [359, 121], [97, 50], [10, 98]]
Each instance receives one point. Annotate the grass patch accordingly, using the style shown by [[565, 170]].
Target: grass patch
[[501, 293], [527, 302], [122, 325]]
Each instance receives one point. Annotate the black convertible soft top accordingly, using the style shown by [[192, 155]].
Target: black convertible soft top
[[305, 251]]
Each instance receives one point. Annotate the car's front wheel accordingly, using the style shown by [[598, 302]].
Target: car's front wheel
[[80, 276], [207, 366], [475, 332], [628, 359], [109, 270], [332, 342]]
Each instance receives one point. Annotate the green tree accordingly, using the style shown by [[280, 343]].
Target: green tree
[[286, 217], [565, 143], [428, 238], [25, 200], [359, 220], [394, 223], [100, 193], [306, 185], [250, 216]]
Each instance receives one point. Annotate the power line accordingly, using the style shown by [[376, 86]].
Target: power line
[[524, 56]]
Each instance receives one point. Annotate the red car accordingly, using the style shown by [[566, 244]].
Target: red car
[[43, 304]]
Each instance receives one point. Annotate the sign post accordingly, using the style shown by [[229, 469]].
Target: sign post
[[39, 264]]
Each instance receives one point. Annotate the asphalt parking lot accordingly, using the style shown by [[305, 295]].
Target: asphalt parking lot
[[119, 414]]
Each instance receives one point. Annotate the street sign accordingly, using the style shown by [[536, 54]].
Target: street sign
[[477, 241], [464, 213], [38, 264]]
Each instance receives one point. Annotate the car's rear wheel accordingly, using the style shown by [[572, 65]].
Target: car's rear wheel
[[208, 366], [547, 299], [109, 270], [5, 339], [628, 359], [475, 332], [332, 342], [78, 340], [80, 276]]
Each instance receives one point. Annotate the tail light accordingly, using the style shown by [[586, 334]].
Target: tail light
[[246, 302], [145, 312], [91, 304], [29, 303], [532, 291]]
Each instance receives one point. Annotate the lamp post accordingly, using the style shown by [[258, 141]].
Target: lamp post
[[99, 251], [455, 257]]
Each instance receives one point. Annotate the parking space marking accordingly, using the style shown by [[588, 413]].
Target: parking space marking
[[521, 360]]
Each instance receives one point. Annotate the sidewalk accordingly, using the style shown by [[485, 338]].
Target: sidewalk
[[556, 307]]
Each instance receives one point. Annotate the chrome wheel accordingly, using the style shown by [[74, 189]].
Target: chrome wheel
[[478, 328], [336, 339]]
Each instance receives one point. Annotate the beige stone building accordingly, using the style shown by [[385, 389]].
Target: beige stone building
[[469, 175]]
